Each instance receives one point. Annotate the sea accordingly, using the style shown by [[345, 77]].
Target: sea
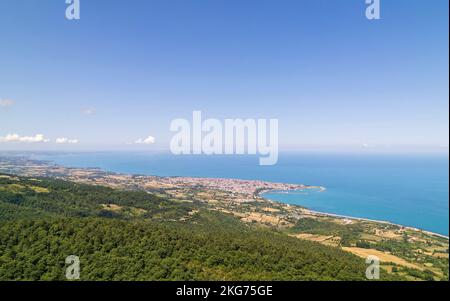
[[406, 189]]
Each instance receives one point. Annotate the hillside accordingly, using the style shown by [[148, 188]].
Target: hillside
[[134, 235]]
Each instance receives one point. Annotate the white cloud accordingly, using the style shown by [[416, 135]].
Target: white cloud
[[148, 140], [6, 103], [23, 139], [66, 141], [88, 111]]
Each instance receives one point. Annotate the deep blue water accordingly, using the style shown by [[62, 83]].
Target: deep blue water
[[412, 190]]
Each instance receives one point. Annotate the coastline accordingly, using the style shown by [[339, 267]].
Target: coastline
[[259, 194], [420, 214], [258, 188]]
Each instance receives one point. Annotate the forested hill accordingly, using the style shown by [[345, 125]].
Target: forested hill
[[132, 235]]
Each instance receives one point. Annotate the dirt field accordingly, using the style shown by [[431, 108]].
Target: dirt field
[[388, 234], [261, 218], [384, 257], [326, 240]]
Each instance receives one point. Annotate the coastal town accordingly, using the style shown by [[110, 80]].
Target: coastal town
[[426, 252]]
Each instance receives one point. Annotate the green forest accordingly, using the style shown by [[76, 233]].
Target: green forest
[[42, 221]]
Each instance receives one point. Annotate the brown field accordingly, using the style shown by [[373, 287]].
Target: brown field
[[326, 240], [269, 209], [384, 257], [261, 218], [387, 234], [440, 255]]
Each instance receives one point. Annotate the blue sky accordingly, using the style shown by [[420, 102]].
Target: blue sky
[[334, 79]]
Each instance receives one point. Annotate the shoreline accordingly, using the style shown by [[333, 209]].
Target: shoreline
[[259, 194]]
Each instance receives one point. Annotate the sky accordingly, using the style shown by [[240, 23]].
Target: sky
[[116, 78]]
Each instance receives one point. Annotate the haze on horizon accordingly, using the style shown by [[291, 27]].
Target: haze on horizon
[[116, 78]]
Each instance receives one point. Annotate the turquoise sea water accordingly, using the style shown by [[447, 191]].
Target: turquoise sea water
[[411, 190]]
